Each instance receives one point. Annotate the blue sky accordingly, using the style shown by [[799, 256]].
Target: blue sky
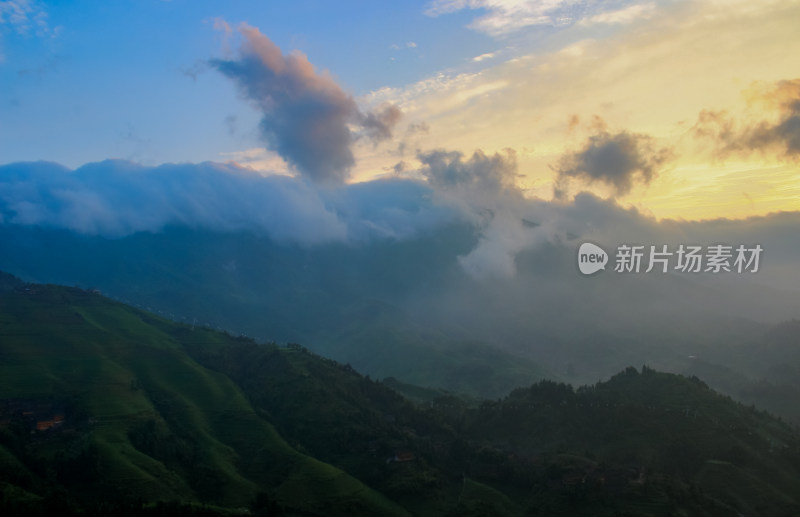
[[87, 81]]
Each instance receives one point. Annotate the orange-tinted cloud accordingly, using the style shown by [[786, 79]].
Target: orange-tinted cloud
[[306, 115]]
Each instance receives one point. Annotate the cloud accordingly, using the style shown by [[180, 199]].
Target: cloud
[[409, 44], [258, 159], [391, 208], [483, 57], [622, 16], [506, 16], [618, 160], [23, 16], [379, 124], [782, 134], [482, 190], [306, 115], [482, 173], [786, 132], [116, 198]]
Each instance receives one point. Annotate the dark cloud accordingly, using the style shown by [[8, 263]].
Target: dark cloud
[[731, 136], [787, 131], [785, 134], [446, 169], [379, 124], [784, 98], [618, 160], [306, 116]]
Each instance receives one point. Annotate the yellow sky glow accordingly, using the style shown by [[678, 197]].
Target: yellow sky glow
[[652, 76]]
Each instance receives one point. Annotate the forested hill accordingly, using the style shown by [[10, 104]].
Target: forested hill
[[106, 409]]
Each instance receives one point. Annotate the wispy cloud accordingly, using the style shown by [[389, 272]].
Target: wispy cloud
[[625, 15], [258, 159], [507, 16], [484, 57], [24, 16], [397, 46]]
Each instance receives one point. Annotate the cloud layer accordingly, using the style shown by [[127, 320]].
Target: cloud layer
[[117, 198], [307, 117]]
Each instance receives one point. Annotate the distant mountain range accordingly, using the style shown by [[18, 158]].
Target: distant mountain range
[[407, 309], [108, 409]]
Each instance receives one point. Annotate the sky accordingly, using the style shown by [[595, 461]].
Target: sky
[[686, 110]]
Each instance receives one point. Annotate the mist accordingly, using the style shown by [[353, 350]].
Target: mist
[[384, 273]]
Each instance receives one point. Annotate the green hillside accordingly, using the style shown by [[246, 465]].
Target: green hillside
[[406, 308], [646, 443], [140, 418], [106, 409], [338, 302]]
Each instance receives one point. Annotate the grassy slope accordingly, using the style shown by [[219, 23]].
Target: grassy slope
[[357, 424], [123, 373], [188, 414], [339, 301], [528, 447]]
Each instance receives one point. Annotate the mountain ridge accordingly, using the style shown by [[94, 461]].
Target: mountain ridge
[[223, 422]]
